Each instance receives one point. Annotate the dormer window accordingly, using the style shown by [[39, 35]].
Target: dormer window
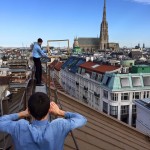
[[146, 80], [93, 76], [125, 82], [136, 81]]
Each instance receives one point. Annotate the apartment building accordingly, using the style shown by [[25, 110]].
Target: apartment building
[[106, 88], [119, 92]]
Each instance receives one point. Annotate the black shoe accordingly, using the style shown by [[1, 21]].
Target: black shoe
[[39, 84]]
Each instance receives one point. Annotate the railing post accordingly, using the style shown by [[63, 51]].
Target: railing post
[[49, 82]]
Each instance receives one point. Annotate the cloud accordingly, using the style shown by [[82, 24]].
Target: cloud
[[142, 1]]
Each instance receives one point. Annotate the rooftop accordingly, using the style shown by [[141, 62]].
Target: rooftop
[[73, 63], [102, 132], [144, 102], [88, 41], [98, 68], [58, 66], [126, 81]]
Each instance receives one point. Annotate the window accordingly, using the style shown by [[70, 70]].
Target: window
[[93, 76], [125, 82], [124, 96], [105, 94], [125, 110], [146, 94], [106, 80], [146, 81], [133, 109], [136, 95], [114, 96], [82, 71], [99, 77], [131, 64], [79, 70], [97, 101], [136, 81], [114, 111], [105, 107]]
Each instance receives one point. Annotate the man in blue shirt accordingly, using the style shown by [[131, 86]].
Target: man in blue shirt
[[40, 134], [37, 53]]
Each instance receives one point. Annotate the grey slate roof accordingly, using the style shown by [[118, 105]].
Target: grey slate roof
[[89, 41]]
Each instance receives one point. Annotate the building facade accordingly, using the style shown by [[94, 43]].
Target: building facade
[[119, 93], [105, 88]]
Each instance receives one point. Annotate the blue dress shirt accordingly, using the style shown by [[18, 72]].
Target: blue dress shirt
[[40, 135], [37, 52]]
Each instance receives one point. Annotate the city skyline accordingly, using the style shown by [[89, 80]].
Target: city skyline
[[23, 22]]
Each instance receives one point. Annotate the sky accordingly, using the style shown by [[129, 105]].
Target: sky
[[24, 21]]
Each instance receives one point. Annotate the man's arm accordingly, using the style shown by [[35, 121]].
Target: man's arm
[[8, 122], [75, 120], [41, 51]]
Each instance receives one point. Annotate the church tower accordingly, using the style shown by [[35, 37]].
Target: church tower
[[104, 30]]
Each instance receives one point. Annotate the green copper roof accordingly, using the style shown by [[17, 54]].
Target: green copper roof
[[126, 82], [77, 50], [141, 69]]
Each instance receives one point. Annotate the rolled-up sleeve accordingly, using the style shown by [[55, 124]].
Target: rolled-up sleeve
[[8, 123]]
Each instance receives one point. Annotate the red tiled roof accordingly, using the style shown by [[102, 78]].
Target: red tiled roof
[[52, 65], [99, 69], [58, 66]]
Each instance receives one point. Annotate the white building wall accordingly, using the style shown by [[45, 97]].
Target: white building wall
[[93, 86]]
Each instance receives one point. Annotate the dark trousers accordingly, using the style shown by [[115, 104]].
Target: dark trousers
[[38, 70]]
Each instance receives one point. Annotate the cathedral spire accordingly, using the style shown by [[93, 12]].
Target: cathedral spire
[[104, 30], [104, 11]]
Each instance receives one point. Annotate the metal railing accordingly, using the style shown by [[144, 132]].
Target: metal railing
[[49, 80]]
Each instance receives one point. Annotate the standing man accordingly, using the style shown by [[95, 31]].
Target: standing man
[[37, 53]]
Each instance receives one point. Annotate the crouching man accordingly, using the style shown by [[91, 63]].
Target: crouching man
[[40, 134]]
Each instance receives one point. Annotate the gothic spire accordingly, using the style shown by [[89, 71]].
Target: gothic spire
[[104, 11], [104, 30]]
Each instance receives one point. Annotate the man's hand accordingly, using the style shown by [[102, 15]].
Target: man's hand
[[24, 114], [54, 110]]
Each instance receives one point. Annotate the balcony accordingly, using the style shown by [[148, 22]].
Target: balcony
[[96, 95], [85, 88], [85, 99], [77, 83]]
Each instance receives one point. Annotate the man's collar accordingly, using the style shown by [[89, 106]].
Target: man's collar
[[40, 123]]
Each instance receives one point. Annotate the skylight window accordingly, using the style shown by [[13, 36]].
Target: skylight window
[[95, 66], [125, 82]]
